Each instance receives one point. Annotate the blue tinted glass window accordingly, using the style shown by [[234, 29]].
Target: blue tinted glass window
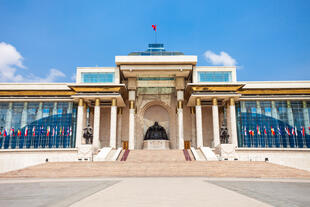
[[273, 124], [216, 76], [37, 125], [97, 77]]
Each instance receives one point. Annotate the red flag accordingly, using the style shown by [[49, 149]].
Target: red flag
[[293, 131], [258, 130], [19, 133], [287, 131], [303, 131], [154, 27], [265, 131], [48, 131], [272, 131], [26, 132], [34, 131]]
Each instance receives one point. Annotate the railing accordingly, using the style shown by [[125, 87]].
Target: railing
[[187, 156], [125, 156]]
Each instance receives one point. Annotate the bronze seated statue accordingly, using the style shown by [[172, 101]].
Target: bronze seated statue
[[156, 132]]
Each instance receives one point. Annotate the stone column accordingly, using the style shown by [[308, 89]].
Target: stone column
[[180, 99], [119, 127], [79, 123], [55, 109], [96, 140], [291, 123], [180, 125], [199, 123], [69, 109], [39, 113], [113, 124], [233, 122], [193, 126], [275, 115], [24, 116], [85, 124], [306, 121], [216, 128], [131, 143], [8, 123]]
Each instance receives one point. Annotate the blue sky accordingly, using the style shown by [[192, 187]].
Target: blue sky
[[47, 40]]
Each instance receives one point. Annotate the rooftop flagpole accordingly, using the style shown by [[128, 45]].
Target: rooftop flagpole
[[154, 26]]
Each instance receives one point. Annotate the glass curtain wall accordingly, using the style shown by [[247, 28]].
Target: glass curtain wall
[[37, 125], [273, 124]]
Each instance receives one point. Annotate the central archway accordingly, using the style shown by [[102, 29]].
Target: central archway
[[151, 111], [156, 113]]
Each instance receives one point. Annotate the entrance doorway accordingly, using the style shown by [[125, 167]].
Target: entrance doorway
[[187, 144], [125, 145]]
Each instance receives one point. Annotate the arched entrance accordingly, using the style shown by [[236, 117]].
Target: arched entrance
[[153, 111], [156, 113]]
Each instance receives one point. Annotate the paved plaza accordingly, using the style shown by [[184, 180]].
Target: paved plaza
[[154, 191]]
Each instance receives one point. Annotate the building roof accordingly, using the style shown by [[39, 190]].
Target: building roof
[[155, 49]]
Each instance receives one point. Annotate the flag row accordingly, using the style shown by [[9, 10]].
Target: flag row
[[293, 131], [45, 131]]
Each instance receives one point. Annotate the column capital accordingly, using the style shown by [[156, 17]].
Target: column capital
[[114, 102], [131, 105], [288, 104], [180, 104], [193, 110], [304, 104], [119, 111], [214, 102], [198, 102], [81, 102], [97, 102], [232, 101]]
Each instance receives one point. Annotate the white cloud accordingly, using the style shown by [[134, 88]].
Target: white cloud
[[11, 63], [222, 59], [52, 76]]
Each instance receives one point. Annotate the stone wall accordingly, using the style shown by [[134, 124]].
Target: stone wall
[[207, 126], [104, 134], [21, 158]]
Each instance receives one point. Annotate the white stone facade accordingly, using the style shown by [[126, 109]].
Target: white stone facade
[[145, 89]]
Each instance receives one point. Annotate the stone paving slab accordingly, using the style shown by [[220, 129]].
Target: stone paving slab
[[281, 193], [164, 192], [59, 193]]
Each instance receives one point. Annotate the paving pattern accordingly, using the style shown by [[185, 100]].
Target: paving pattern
[[275, 193], [59, 193], [238, 169]]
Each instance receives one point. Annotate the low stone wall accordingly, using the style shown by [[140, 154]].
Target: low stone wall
[[21, 158], [297, 158]]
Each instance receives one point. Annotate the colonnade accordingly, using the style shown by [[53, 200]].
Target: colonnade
[[81, 123], [197, 124], [197, 130]]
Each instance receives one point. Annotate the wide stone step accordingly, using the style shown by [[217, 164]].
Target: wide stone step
[[182, 168], [156, 156]]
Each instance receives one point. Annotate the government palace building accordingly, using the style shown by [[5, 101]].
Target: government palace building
[[155, 100]]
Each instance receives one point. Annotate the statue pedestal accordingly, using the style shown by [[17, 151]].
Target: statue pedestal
[[156, 144], [226, 151]]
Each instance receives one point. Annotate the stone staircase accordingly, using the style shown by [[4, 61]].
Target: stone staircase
[[156, 156], [134, 168]]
